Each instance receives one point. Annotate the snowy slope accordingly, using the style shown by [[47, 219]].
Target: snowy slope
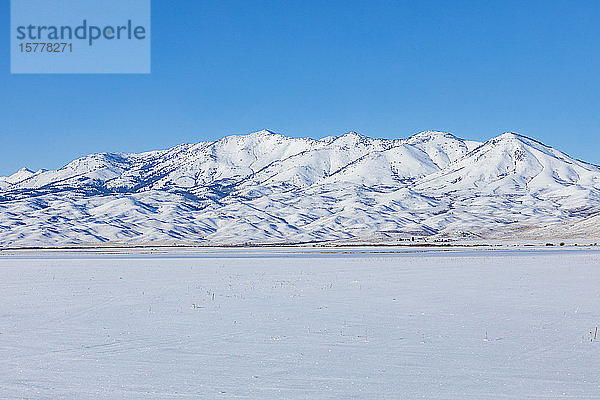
[[268, 188]]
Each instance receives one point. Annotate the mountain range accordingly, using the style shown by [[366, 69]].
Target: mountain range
[[266, 188]]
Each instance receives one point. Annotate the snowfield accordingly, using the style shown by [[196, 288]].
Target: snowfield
[[266, 188], [289, 323]]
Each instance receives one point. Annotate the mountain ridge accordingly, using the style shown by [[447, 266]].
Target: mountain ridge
[[265, 187]]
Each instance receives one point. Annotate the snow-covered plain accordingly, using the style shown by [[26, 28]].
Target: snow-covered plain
[[379, 323]]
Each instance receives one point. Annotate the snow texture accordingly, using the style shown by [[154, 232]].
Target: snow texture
[[300, 324]]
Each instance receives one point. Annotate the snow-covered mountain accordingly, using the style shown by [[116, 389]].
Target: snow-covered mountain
[[268, 188]]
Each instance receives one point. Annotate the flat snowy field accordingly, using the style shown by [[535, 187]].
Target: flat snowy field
[[301, 324]]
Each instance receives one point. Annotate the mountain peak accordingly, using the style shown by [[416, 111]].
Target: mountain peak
[[513, 136], [263, 132], [352, 137], [430, 135], [20, 175], [353, 134]]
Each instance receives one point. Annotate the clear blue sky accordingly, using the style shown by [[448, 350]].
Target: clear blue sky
[[318, 68]]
